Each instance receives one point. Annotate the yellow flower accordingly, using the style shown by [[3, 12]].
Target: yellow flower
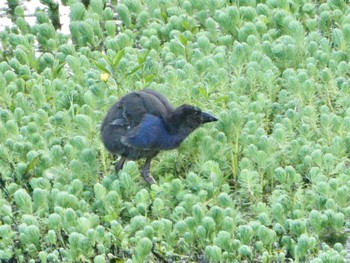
[[104, 76]]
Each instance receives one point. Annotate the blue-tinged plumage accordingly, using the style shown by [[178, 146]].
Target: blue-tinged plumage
[[143, 123], [153, 134]]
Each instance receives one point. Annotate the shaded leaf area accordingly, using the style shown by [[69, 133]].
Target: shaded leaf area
[[268, 182]]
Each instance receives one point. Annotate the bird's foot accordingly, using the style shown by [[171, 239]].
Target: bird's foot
[[148, 178], [145, 172]]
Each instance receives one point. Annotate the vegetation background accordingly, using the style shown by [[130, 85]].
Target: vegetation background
[[269, 182]]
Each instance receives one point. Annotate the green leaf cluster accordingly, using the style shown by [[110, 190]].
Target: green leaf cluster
[[268, 182]]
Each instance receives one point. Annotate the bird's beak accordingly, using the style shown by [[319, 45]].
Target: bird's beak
[[206, 117]]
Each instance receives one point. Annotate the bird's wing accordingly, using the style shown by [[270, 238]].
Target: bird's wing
[[159, 97], [145, 136], [146, 102], [130, 111]]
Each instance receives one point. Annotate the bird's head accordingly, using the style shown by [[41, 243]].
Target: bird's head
[[187, 117]]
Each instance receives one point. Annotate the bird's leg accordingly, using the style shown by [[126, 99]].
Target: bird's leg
[[146, 173], [119, 165]]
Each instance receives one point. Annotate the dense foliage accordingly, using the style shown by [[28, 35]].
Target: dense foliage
[[269, 182]]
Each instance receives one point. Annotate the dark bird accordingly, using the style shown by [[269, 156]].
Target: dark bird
[[143, 123]]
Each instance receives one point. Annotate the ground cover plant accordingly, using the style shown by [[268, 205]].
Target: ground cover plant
[[269, 182]]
